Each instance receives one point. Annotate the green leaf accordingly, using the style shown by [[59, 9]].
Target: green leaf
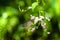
[[34, 5]]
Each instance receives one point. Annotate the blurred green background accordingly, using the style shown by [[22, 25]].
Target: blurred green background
[[29, 19]]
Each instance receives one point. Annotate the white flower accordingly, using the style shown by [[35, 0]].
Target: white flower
[[36, 20], [32, 17], [48, 32], [43, 24], [29, 7], [47, 18], [42, 17], [33, 29]]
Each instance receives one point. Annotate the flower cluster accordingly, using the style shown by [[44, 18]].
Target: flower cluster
[[41, 19]]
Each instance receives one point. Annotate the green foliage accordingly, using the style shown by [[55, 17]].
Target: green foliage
[[34, 5], [29, 20]]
